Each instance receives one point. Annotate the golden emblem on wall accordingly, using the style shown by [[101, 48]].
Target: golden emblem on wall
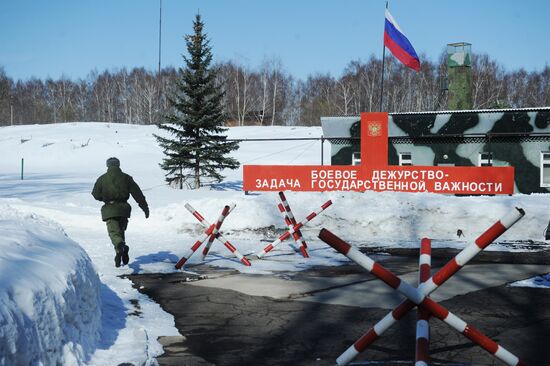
[[375, 129]]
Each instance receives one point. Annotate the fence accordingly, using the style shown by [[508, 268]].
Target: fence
[[489, 138]]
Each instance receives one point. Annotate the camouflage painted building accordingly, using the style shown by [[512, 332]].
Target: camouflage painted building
[[506, 137]]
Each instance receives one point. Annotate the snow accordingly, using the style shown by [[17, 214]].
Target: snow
[[50, 303], [538, 282], [61, 164]]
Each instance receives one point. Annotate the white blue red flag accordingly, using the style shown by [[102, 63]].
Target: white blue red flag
[[398, 44]]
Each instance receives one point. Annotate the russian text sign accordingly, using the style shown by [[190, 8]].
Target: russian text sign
[[375, 174]]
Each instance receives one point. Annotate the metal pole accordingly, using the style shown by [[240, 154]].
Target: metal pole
[[22, 165], [383, 65], [160, 31], [11, 114], [158, 75], [322, 143]]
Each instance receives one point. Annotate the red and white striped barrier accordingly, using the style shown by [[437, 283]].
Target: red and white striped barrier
[[294, 229], [297, 238], [195, 246], [292, 219], [219, 235], [419, 296], [422, 315], [471, 333], [212, 233], [226, 211]]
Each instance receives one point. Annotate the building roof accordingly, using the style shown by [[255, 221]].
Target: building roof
[[535, 109]]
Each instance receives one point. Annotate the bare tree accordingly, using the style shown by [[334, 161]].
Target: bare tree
[[241, 80], [6, 98], [267, 94], [263, 98], [487, 77]]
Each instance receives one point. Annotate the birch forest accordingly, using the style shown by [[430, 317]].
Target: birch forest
[[267, 94]]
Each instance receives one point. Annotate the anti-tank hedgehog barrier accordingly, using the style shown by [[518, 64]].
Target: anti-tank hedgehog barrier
[[290, 220], [216, 230], [294, 229], [419, 296], [212, 232]]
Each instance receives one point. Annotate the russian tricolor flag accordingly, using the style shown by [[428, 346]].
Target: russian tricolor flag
[[398, 44]]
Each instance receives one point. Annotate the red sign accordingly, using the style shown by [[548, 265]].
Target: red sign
[[375, 174]]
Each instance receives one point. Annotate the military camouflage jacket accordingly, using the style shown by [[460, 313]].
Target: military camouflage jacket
[[114, 189]]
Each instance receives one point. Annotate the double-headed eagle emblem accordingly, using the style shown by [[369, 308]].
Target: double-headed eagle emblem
[[375, 129]]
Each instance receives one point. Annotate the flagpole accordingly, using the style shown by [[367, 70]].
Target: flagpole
[[383, 64]]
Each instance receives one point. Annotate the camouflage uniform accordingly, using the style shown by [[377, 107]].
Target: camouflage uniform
[[114, 189]]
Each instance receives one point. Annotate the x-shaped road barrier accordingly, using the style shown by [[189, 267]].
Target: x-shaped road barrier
[[211, 233], [419, 296], [288, 216], [293, 226]]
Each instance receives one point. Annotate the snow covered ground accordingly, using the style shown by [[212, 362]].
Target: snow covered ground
[[50, 303], [61, 163]]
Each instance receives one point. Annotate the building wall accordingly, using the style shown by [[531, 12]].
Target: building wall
[[513, 137]]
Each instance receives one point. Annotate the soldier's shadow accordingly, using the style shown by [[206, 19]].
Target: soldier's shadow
[[162, 256]]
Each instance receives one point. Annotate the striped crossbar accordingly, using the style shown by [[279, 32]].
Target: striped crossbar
[[372, 334], [197, 215], [370, 265], [422, 315], [235, 252], [375, 332], [296, 227], [413, 296], [417, 298], [471, 333], [295, 235], [471, 250], [219, 235], [195, 246], [291, 216], [225, 212]]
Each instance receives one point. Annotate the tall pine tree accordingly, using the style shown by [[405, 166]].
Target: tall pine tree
[[197, 150]]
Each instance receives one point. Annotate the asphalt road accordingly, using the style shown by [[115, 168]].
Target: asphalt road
[[303, 318]]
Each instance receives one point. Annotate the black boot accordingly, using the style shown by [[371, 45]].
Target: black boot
[[125, 257], [118, 257]]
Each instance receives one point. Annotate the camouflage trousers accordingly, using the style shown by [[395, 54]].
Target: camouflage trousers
[[116, 227]]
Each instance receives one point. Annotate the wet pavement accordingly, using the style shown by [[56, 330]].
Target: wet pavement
[[311, 317]]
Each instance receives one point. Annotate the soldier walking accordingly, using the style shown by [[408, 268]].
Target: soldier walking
[[114, 189]]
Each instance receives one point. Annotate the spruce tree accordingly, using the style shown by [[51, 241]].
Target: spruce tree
[[197, 149]]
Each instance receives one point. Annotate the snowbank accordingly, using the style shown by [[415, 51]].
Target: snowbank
[[50, 306], [370, 218]]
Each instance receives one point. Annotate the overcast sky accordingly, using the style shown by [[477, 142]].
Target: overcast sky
[[50, 38]]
